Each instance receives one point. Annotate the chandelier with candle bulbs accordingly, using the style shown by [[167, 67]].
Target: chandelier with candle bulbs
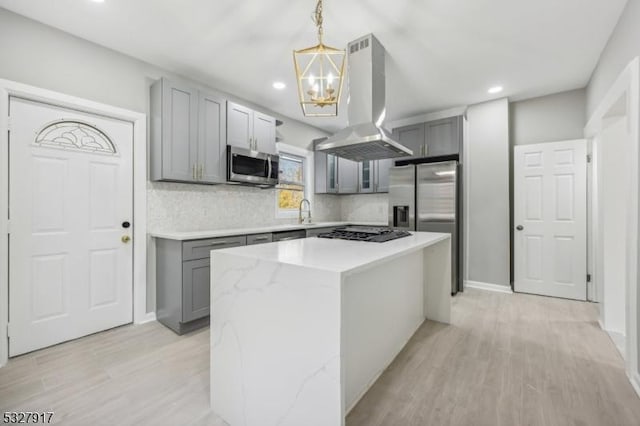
[[320, 74]]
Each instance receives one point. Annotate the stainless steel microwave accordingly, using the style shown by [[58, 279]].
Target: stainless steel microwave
[[251, 167]]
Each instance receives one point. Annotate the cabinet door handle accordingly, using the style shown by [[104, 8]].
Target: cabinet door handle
[[193, 172], [200, 171], [261, 239]]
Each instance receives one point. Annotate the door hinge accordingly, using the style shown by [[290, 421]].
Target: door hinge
[[8, 330], [8, 227], [588, 278], [588, 158]]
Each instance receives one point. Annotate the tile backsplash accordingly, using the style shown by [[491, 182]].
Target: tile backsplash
[[364, 207], [184, 207]]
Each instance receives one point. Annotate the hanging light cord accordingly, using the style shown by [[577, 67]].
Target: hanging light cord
[[317, 19]]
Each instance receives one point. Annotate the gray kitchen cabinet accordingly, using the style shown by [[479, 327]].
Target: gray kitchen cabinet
[[320, 173], [325, 171], [195, 289], [347, 176], [413, 138], [366, 176], [259, 238], [332, 174], [313, 232], [443, 137], [381, 173], [212, 144], [183, 280], [187, 134], [250, 129], [174, 131], [264, 132]]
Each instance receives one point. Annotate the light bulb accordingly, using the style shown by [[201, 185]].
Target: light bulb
[[311, 80], [330, 79]]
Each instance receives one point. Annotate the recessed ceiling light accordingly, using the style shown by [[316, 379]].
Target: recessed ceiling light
[[278, 85], [98, 1], [495, 89]]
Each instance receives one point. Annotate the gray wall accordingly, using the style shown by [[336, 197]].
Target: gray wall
[[623, 46], [487, 193], [42, 56], [556, 117], [39, 55]]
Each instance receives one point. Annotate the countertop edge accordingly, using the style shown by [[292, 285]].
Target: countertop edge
[[344, 272], [215, 233]]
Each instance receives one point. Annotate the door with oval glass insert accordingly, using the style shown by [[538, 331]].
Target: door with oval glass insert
[[70, 257]]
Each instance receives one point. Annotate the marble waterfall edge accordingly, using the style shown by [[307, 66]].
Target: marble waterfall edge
[[252, 335]]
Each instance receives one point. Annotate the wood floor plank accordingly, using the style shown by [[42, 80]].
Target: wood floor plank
[[505, 360]]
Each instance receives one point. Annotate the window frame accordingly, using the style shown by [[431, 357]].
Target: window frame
[[307, 170]]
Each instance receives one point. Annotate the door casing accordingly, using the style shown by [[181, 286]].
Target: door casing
[[10, 88]]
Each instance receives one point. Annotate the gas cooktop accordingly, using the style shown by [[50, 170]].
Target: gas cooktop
[[365, 233]]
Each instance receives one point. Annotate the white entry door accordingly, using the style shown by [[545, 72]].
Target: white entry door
[[71, 192], [550, 202]]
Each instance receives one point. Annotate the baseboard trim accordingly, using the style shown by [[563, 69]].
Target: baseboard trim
[[150, 316], [635, 382], [619, 341], [488, 286]]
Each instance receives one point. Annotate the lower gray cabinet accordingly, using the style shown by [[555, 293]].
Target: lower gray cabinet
[[195, 289], [259, 238], [317, 231], [183, 280]]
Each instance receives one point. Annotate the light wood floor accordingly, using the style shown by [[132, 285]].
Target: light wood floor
[[506, 360]]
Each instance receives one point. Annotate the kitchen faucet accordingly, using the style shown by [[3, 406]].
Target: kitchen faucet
[[300, 219]]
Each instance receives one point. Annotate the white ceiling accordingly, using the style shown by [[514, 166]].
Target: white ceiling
[[440, 53]]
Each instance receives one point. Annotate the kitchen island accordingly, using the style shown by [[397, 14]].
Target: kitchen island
[[301, 329]]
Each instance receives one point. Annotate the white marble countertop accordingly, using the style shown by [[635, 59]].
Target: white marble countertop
[[196, 235], [335, 255]]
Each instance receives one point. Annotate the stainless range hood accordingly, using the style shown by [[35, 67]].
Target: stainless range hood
[[365, 138]]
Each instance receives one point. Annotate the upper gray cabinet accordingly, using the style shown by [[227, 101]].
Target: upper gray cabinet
[[264, 132], [381, 175], [347, 176], [443, 137], [366, 175], [335, 175], [250, 129], [211, 138], [412, 137], [187, 134], [434, 138]]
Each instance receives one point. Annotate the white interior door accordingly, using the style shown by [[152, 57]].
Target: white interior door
[[71, 191], [550, 190]]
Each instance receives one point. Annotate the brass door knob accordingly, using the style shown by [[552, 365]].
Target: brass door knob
[[125, 239]]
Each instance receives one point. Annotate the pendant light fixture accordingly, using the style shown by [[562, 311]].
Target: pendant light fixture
[[320, 74]]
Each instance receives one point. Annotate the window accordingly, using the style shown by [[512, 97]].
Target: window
[[291, 187]]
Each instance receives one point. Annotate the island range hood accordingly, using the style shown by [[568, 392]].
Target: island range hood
[[365, 138]]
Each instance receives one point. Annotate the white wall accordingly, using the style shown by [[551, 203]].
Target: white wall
[[614, 169], [487, 201], [556, 117], [623, 46]]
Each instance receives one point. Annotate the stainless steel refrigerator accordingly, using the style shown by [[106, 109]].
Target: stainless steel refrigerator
[[428, 197]]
